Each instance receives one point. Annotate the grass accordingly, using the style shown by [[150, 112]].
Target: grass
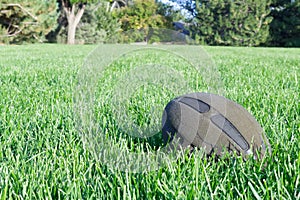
[[42, 154]]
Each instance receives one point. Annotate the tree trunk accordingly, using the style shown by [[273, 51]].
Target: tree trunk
[[71, 29], [73, 20]]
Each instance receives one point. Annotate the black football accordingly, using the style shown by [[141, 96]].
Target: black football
[[213, 123]]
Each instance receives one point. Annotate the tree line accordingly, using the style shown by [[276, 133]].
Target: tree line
[[209, 22]]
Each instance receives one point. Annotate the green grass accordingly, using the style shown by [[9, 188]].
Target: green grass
[[42, 154]]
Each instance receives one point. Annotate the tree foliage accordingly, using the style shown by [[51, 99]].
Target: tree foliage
[[212, 22], [226, 22], [141, 15], [26, 20], [285, 28], [98, 25], [170, 13]]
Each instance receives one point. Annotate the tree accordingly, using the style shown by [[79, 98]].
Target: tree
[[74, 10], [26, 21], [97, 25], [285, 28], [170, 13], [227, 22], [239, 23], [141, 15]]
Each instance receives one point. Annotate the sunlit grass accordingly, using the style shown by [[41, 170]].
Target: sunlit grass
[[42, 154]]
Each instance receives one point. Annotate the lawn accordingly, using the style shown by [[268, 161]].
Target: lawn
[[43, 155]]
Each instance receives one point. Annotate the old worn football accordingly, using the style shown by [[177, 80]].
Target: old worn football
[[213, 123]]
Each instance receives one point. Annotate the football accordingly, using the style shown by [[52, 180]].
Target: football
[[214, 123]]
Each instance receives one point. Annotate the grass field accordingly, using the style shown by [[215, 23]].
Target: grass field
[[42, 154]]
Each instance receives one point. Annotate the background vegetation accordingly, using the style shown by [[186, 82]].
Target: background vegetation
[[26, 21], [213, 22]]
